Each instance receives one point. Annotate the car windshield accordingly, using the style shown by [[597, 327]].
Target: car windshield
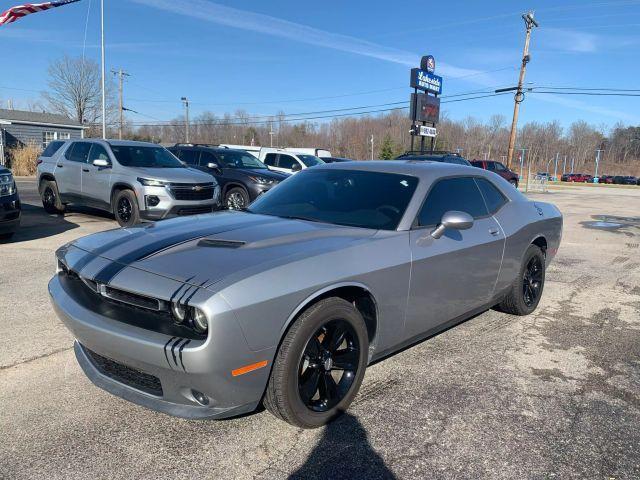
[[235, 159], [145, 157], [310, 160], [342, 197]]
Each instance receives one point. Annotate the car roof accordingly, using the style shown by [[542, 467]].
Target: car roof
[[417, 168]]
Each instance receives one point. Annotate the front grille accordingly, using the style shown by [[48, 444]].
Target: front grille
[[192, 191], [133, 299], [129, 376]]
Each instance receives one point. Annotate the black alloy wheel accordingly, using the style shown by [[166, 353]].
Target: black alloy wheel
[[328, 365], [124, 210], [320, 364], [532, 281], [50, 198]]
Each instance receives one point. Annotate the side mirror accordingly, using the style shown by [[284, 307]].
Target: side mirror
[[101, 162], [453, 220], [213, 166], [296, 167]]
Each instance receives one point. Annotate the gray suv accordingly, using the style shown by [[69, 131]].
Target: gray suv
[[133, 180]]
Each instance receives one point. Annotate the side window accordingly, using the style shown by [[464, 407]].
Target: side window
[[459, 194], [175, 152], [499, 167], [491, 166], [190, 157], [69, 151], [98, 153], [270, 159], [492, 196], [51, 148], [80, 152], [206, 158], [286, 161]]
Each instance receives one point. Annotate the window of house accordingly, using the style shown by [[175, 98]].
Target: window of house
[[64, 136], [47, 138]]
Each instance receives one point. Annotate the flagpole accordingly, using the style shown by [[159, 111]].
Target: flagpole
[[104, 100]]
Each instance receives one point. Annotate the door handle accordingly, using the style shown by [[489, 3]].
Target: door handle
[[85, 169], [494, 231], [59, 165]]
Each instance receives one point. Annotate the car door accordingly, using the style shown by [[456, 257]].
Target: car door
[[68, 171], [96, 181], [456, 273], [288, 164]]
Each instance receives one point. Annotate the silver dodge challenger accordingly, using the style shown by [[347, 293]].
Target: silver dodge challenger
[[286, 302]]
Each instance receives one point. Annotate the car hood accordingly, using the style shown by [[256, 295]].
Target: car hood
[[177, 175], [202, 250]]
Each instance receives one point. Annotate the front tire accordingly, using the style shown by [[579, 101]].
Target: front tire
[[236, 198], [319, 366], [526, 290], [125, 208], [51, 197]]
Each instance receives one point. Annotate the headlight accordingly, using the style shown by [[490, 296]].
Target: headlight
[[200, 322], [179, 312], [263, 180], [7, 184], [149, 182]]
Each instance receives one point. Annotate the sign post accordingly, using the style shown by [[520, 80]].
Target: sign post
[[425, 106]]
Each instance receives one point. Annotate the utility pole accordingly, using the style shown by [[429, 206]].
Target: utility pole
[[121, 74], [185, 102], [371, 146], [598, 152], [519, 96], [564, 165], [555, 170], [271, 133]]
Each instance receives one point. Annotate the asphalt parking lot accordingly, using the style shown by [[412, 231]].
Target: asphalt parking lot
[[552, 395]]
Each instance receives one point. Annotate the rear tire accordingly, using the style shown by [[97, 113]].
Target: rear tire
[[303, 389], [526, 290], [51, 197], [125, 208]]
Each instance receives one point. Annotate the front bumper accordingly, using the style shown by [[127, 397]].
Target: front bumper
[[182, 368], [10, 212], [168, 207]]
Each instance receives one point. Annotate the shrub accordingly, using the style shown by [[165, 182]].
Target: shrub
[[23, 159]]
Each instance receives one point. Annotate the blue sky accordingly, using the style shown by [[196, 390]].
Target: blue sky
[[308, 56]]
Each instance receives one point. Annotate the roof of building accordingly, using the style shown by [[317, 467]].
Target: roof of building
[[21, 116]]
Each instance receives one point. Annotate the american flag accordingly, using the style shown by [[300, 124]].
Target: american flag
[[14, 13]]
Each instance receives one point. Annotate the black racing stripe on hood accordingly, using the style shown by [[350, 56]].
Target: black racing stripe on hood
[[84, 261], [112, 269]]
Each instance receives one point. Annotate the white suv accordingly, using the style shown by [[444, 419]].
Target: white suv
[[286, 161]]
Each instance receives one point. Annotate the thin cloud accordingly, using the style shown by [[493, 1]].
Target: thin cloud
[[277, 27]]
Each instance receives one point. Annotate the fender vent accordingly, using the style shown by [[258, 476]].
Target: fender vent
[[214, 243]]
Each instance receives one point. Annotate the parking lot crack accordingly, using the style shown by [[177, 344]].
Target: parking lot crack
[[33, 359]]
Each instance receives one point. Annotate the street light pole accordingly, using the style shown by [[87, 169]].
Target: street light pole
[[371, 146], [121, 74], [104, 97], [519, 96], [185, 101]]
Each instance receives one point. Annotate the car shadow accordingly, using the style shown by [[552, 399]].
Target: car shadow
[[344, 452]]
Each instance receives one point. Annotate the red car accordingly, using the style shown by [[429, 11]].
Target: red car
[[499, 168], [577, 177]]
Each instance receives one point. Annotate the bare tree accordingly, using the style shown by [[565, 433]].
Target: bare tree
[[74, 90]]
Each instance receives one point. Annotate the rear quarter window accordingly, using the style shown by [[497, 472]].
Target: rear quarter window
[[51, 149], [493, 197]]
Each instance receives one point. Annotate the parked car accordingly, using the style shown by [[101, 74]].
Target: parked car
[[133, 180], [318, 152], [337, 160], [241, 176], [625, 180], [608, 179], [576, 177], [446, 157], [286, 161], [290, 300], [499, 168], [10, 207]]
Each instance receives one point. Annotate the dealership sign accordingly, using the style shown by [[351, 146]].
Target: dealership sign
[[425, 108], [425, 131], [426, 81]]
